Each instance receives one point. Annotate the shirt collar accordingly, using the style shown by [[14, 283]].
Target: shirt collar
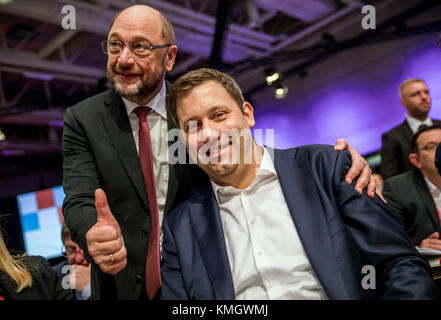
[[157, 104], [266, 169], [434, 191], [414, 124]]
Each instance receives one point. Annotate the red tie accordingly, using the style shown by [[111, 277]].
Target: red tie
[[152, 272]]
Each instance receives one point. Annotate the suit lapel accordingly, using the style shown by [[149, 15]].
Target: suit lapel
[[176, 170], [207, 226], [406, 130], [309, 218], [117, 125], [425, 195]]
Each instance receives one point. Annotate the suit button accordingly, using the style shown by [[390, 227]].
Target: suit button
[[138, 279], [144, 233]]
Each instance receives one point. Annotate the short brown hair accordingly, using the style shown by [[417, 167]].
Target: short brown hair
[[65, 233], [194, 78], [421, 129], [406, 83]]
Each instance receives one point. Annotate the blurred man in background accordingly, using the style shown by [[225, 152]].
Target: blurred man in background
[[395, 148], [415, 196], [80, 269]]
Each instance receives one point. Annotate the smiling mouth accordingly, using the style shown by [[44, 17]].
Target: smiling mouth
[[126, 75], [218, 151]]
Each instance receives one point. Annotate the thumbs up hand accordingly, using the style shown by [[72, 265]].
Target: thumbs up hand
[[104, 240]]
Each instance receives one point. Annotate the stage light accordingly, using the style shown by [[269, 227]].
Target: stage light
[[271, 76], [2, 136], [280, 91]]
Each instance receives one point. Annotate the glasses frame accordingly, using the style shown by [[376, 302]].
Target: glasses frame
[[104, 45], [429, 146], [65, 253]]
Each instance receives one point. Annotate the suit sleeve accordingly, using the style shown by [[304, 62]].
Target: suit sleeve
[[80, 180], [402, 273], [393, 203], [389, 157], [172, 282]]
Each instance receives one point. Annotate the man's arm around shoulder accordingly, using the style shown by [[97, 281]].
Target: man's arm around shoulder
[[402, 273]]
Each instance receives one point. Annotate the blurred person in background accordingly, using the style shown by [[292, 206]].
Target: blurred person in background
[[415, 98], [80, 272], [25, 277], [414, 196]]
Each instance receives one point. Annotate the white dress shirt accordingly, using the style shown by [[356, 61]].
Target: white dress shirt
[[157, 120], [436, 194], [414, 124], [266, 256]]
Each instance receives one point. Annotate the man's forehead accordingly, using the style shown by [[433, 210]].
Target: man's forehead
[[431, 135], [415, 86], [138, 23]]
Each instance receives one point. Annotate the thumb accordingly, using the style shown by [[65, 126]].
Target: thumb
[[105, 216]]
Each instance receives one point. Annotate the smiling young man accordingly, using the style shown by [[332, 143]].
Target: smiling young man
[[283, 225]]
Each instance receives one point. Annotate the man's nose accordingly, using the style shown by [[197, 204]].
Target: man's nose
[[125, 57], [208, 132]]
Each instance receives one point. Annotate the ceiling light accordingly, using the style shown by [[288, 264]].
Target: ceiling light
[[271, 76], [281, 91], [5, 1]]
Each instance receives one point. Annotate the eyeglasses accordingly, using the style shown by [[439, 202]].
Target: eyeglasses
[[141, 49], [69, 250], [430, 146]]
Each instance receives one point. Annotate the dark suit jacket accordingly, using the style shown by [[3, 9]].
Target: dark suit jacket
[[46, 284], [341, 231], [395, 150], [100, 152], [409, 198]]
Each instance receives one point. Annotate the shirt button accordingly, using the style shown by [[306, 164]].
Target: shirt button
[[138, 279], [252, 221], [144, 233], [270, 284], [259, 252]]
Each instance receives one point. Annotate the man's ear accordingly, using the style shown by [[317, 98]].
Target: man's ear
[[170, 58], [413, 158], [248, 111]]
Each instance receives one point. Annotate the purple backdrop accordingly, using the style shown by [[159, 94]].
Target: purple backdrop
[[353, 95]]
